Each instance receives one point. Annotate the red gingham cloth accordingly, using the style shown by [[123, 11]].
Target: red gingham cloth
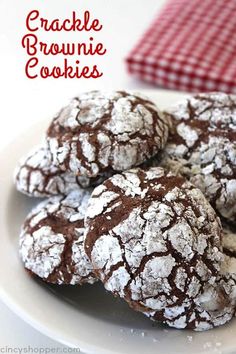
[[191, 46]]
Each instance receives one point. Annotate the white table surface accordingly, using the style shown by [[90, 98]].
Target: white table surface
[[25, 101]]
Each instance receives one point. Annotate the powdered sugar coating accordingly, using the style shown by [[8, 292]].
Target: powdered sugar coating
[[154, 240], [37, 176], [104, 131], [52, 240], [214, 306], [202, 146]]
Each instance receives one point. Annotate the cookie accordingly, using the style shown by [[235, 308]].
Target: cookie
[[202, 146], [52, 240], [101, 132], [37, 176], [154, 240]]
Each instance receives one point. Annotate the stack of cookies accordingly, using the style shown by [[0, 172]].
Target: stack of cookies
[[135, 197]]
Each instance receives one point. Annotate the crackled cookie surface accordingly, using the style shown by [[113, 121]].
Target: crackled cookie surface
[[202, 146], [99, 132], [52, 240], [214, 307], [217, 303], [37, 176], [154, 240]]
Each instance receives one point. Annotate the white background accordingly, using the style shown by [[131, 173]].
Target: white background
[[25, 101]]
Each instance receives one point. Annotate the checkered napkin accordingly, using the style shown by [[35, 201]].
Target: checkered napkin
[[191, 46]]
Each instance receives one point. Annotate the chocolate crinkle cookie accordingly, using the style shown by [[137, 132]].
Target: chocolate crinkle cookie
[[202, 146], [102, 132], [154, 240], [37, 176], [52, 240]]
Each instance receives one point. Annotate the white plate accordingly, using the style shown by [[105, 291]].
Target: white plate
[[86, 317]]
